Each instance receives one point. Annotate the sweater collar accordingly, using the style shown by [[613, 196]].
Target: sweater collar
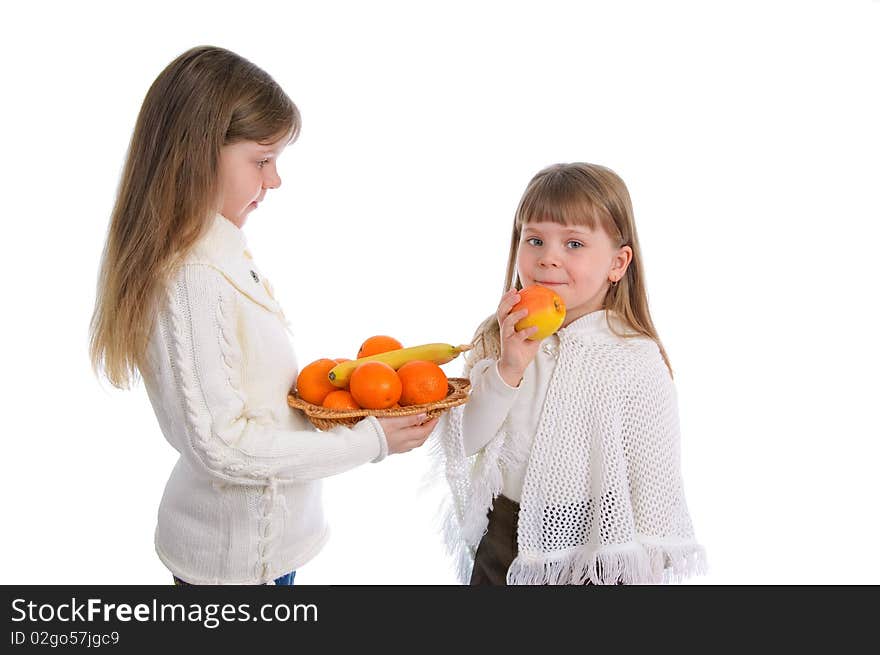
[[224, 248], [222, 241], [596, 323]]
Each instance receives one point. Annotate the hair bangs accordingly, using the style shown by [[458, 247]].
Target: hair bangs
[[556, 198]]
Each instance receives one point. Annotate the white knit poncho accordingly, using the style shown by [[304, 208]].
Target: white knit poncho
[[602, 497]]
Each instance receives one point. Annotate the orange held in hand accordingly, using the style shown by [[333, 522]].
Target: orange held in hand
[[340, 399], [312, 383], [378, 344], [546, 311], [375, 385], [422, 382]]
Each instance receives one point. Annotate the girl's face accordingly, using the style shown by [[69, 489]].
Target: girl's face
[[574, 261], [247, 170]]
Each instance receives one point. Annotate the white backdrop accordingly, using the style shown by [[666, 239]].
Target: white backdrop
[[748, 136]]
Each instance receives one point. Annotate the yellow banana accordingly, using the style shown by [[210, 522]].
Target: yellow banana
[[439, 353]]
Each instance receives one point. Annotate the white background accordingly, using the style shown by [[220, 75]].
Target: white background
[[747, 133]]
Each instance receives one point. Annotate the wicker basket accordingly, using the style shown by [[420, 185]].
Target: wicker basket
[[327, 419]]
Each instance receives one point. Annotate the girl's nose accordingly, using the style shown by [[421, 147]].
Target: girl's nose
[[272, 181], [548, 260]]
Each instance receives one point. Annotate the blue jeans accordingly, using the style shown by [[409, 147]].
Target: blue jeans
[[285, 580]]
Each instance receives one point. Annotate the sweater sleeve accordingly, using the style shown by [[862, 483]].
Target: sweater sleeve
[[488, 405], [224, 436]]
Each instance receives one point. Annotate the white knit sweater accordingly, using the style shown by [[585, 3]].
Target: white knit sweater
[[589, 446], [492, 401], [243, 503]]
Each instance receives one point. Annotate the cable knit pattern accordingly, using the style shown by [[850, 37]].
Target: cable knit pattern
[[271, 504], [243, 503], [231, 354], [603, 498], [218, 456]]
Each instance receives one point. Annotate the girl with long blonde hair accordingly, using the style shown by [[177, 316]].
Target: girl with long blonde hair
[[181, 302], [564, 464]]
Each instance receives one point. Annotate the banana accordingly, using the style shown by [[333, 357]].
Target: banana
[[439, 353]]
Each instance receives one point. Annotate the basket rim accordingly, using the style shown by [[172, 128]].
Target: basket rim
[[456, 396]]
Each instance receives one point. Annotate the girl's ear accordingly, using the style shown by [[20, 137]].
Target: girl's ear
[[620, 263]]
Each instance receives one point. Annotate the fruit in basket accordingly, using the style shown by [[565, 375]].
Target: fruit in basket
[[378, 344], [375, 385], [312, 384], [422, 382], [340, 399], [546, 311], [439, 353]]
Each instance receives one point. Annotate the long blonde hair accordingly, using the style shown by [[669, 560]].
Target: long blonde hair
[[586, 195], [169, 192]]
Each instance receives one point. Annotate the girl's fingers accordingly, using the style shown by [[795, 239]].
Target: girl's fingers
[[516, 317], [422, 432], [523, 335], [508, 300], [422, 424], [508, 326], [403, 422], [427, 426]]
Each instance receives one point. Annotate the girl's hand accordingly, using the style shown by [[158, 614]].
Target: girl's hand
[[517, 351], [403, 433]]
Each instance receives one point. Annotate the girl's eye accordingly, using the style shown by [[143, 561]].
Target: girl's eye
[[574, 244], [534, 241], [262, 163]]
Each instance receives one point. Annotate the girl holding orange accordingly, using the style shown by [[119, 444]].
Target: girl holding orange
[[564, 463]]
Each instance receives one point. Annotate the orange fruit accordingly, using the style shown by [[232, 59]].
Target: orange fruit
[[422, 382], [375, 385], [546, 311], [378, 344], [340, 399], [339, 360], [312, 383]]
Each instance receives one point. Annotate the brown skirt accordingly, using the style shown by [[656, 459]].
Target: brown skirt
[[497, 549]]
